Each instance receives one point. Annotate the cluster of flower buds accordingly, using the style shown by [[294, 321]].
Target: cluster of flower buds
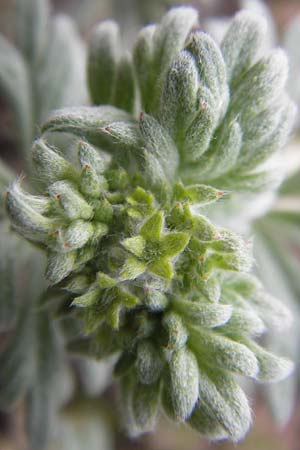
[[124, 226]]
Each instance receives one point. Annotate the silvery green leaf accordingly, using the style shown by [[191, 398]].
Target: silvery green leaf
[[182, 383], [142, 59], [48, 164], [223, 153], [30, 222], [124, 93], [159, 146], [102, 62], [85, 121], [60, 79], [226, 401], [242, 42], [260, 9], [177, 334], [43, 399], [178, 103], [17, 355], [257, 181], [276, 277], [59, 266], [244, 321], [32, 28], [145, 402], [270, 133], [9, 269], [270, 75], [211, 69], [199, 133], [149, 363], [169, 38], [208, 315], [15, 89], [17, 359], [221, 352], [272, 368], [204, 421]]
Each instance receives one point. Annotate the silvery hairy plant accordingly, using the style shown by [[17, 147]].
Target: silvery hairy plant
[[177, 125]]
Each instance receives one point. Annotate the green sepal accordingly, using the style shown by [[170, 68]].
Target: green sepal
[[152, 228], [132, 268], [200, 194], [162, 267], [91, 298], [135, 245], [173, 243]]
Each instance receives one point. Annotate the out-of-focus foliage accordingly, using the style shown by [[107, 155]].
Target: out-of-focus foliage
[[41, 67]]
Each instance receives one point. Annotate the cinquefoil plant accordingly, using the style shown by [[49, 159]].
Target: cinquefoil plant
[[123, 220]]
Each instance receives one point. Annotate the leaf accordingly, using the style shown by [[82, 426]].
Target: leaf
[[182, 383], [142, 59], [160, 146], [221, 352], [49, 165], [271, 262], [272, 368], [17, 354], [145, 402], [59, 266], [46, 394], [169, 38], [242, 43], [205, 422], [84, 121], [211, 70], [149, 363], [124, 95], [206, 315], [223, 153], [15, 89], [226, 402], [177, 334], [32, 28], [61, 75], [103, 57], [178, 103]]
